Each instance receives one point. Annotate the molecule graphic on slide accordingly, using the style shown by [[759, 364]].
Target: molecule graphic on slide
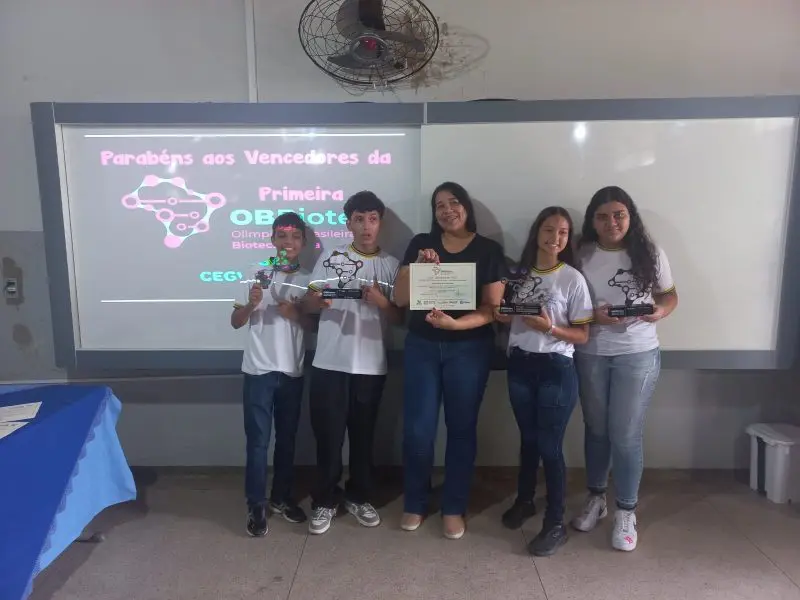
[[180, 224], [344, 266]]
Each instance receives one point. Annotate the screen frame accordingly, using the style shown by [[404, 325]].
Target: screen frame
[[49, 117]]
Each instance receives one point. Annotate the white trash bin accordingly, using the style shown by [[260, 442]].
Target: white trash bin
[[775, 461]]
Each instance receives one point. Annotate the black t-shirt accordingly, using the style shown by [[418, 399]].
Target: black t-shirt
[[490, 267]]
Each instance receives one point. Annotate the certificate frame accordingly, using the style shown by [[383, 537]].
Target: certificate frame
[[444, 286]]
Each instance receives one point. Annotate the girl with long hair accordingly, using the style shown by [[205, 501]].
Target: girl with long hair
[[542, 383], [619, 367]]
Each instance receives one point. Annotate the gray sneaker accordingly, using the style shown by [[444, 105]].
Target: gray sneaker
[[594, 510], [365, 513], [321, 520]]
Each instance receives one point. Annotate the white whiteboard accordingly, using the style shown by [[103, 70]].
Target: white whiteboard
[[714, 194]]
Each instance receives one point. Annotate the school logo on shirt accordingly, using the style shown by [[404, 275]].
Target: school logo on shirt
[[633, 287], [345, 267]]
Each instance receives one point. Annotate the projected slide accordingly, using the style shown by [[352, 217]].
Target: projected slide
[[169, 225]]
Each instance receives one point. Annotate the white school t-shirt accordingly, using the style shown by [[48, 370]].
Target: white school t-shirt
[[352, 333], [563, 293], [274, 343], [608, 273]]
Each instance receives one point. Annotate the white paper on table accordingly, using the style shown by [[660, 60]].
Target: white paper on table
[[9, 428], [19, 412]]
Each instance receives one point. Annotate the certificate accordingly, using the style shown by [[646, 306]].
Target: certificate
[[9, 428], [19, 412], [448, 286]]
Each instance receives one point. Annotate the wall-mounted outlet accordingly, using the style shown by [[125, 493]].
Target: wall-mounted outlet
[[10, 288], [12, 281]]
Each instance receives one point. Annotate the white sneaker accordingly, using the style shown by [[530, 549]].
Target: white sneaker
[[321, 520], [594, 510], [624, 537]]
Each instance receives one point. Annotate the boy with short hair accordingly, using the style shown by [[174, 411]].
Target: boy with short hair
[[349, 369], [272, 364]]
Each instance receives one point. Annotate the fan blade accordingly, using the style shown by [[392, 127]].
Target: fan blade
[[402, 38], [348, 20], [355, 17], [347, 61], [370, 14]]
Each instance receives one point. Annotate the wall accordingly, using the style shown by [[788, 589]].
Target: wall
[[197, 50]]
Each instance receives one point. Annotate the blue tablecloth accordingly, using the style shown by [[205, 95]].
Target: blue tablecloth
[[56, 474]]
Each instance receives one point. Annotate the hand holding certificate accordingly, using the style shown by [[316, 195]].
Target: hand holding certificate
[[442, 286]]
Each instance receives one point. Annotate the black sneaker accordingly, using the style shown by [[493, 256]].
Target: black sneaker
[[289, 510], [515, 516], [549, 540], [257, 521]]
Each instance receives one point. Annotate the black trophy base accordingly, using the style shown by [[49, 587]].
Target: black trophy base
[[341, 294], [636, 310], [525, 310], [263, 279]]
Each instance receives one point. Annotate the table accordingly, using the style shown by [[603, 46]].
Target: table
[[56, 474]]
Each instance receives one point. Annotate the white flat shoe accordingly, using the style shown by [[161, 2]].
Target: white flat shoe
[[456, 535], [410, 522]]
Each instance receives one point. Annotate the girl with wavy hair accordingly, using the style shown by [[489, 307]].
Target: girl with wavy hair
[[619, 366]]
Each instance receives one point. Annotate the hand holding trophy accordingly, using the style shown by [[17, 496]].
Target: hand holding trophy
[[265, 275]]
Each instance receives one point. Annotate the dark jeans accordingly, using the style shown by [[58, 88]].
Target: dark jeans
[[342, 402], [454, 373], [268, 396], [543, 389]]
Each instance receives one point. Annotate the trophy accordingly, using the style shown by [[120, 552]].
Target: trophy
[[630, 310], [519, 295], [265, 275], [634, 289], [346, 269]]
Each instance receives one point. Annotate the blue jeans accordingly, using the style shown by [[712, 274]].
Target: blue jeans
[[615, 393], [456, 373], [543, 389], [268, 396]]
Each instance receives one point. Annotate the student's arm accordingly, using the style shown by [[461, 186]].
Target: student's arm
[[665, 295], [241, 312], [665, 303], [394, 314], [573, 334], [293, 311], [313, 302], [580, 313], [372, 294]]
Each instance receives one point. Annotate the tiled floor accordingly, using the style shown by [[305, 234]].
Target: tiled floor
[[702, 536]]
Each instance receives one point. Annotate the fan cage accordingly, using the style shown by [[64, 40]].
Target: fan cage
[[320, 39]]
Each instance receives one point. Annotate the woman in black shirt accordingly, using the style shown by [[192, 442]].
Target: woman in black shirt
[[447, 358]]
